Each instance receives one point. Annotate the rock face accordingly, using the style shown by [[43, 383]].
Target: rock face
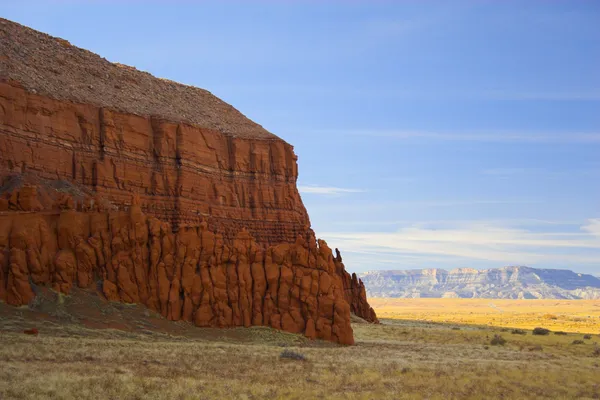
[[160, 193], [192, 275], [354, 291], [182, 173], [501, 283]]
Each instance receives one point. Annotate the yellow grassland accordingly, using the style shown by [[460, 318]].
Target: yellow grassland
[[563, 315], [395, 360]]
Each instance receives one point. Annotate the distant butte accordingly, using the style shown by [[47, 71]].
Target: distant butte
[[157, 193]]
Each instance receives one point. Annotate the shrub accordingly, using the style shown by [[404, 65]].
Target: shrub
[[560, 333], [498, 340], [541, 331], [549, 316], [596, 352], [537, 347], [292, 355], [588, 337], [518, 332], [578, 342], [455, 328]]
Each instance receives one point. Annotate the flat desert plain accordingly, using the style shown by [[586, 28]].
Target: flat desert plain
[[581, 316], [88, 348]]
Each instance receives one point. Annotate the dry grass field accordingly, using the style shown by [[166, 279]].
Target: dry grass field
[[560, 315], [400, 359]]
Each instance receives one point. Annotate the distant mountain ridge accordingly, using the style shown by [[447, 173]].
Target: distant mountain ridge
[[512, 282]]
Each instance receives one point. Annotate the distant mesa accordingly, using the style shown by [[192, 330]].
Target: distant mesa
[[511, 282]]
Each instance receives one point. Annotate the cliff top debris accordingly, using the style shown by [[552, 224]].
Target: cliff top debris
[[51, 66]]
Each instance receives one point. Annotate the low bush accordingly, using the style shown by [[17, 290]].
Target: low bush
[[578, 342], [498, 340], [541, 331], [560, 333], [549, 316], [518, 332], [587, 337], [292, 355]]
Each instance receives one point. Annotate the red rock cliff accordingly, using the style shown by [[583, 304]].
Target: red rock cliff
[[182, 173], [217, 235]]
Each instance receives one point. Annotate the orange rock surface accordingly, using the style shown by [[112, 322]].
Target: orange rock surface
[[193, 275], [182, 173], [200, 221]]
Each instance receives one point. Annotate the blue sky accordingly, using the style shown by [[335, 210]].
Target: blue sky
[[429, 134]]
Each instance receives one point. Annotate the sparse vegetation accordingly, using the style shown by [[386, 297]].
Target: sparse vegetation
[[394, 360], [578, 341], [498, 340], [572, 316], [292, 355], [541, 331], [399, 359], [518, 332]]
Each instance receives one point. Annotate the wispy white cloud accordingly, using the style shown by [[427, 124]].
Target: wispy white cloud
[[476, 241], [326, 190], [397, 179], [580, 95], [510, 171], [593, 227], [459, 203], [403, 206], [539, 172], [483, 136], [510, 222]]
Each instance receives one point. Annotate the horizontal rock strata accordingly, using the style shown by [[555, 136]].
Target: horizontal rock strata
[[510, 282], [156, 193], [182, 173]]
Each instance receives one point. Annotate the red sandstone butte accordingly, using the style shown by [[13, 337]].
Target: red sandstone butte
[[160, 192]]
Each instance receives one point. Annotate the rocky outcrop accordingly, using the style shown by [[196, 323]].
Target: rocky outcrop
[[182, 174], [507, 282], [354, 291], [156, 193], [193, 275]]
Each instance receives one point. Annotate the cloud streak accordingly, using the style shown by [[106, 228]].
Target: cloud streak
[[326, 190], [593, 227], [475, 242], [501, 137]]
